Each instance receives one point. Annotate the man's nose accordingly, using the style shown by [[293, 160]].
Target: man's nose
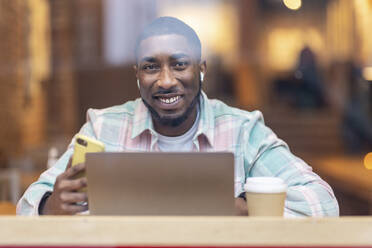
[[166, 79]]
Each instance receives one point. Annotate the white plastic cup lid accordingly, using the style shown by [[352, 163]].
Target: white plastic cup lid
[[265, 185]]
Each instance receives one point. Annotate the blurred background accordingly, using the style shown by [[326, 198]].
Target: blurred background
[[307, 65]]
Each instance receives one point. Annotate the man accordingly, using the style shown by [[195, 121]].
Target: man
[[173, 114]]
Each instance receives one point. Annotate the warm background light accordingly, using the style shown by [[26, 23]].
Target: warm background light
[[214, 21], [367, 73], [293, 4], [368, 161], [284, 46]]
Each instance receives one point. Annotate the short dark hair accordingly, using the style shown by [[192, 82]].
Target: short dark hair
[[170, 25]]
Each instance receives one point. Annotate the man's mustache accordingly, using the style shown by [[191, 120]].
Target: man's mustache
[[162, 91]]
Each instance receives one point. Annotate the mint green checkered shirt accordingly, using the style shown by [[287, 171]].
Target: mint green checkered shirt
[[257, 152]]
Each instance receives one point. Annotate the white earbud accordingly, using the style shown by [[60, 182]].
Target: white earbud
[[138, 84], [201, 76]]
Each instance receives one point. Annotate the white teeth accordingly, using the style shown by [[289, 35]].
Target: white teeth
[[169, 100]]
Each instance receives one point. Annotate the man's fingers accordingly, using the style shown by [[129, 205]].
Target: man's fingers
[[65, 174], [74, 170], [73, 208], [72, 185], [69, 164], [241, 207], [74, 197]]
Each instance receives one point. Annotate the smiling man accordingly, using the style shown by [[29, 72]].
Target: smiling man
[[173, 114], [168, 70]]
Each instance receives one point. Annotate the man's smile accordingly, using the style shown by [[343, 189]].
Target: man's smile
[[168, 101]]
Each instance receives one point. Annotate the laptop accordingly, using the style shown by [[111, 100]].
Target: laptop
[[151, 183]]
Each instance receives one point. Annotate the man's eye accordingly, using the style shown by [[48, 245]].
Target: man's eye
[[149, 67], [180, 65]]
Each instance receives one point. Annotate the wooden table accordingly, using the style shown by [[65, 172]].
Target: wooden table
[[88, 231]]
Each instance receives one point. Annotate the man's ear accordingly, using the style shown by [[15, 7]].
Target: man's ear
[[135, 68], [203, 67]]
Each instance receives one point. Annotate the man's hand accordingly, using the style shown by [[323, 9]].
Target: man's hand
[[65, 193], [241, 206]]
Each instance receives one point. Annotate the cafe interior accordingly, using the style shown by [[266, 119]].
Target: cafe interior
[[305, 64]]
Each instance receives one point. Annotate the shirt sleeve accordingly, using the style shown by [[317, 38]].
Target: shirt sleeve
[[266, 155], [29, 202]]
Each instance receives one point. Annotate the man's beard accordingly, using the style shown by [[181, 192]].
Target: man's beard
[[174, 122]]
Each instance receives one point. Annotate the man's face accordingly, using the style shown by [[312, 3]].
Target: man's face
[[168, 70]]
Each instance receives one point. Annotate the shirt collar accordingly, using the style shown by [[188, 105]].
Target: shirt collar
[[142, 120], [206, 122]]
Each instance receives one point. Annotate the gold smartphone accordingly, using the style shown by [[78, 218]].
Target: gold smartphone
[[83, 145]]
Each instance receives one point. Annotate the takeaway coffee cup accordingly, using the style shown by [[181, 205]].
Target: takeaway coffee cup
[[265, 196]]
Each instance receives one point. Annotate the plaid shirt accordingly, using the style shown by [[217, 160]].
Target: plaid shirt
[[257, 152]]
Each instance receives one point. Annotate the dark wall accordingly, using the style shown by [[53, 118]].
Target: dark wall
[[104, 87]]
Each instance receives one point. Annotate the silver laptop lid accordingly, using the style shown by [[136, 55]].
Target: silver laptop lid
[[160, 183]]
